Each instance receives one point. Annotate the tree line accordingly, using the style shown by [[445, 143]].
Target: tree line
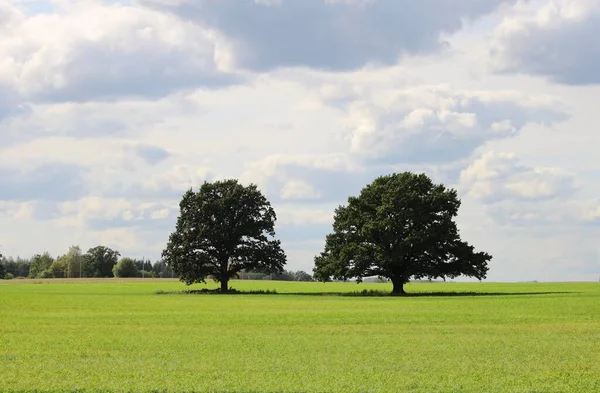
[[103, 262], [400, 227], [97, 262]]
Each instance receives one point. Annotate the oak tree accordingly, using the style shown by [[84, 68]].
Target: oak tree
[[222, 229], [400, 226]]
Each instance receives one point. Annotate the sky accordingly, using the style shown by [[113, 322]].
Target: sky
[[110, 111]]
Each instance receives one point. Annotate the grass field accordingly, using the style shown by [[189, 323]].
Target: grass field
[[121, 336]]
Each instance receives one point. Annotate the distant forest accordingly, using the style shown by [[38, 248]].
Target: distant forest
[[103, 262]]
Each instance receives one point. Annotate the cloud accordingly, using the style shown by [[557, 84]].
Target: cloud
[[180, 177], [125, 118], [17, 210], [151, 154], [557, 41], [292, 215], [51, 182], [308, 178], [96, 213], [547, 201], [438, 124], [297, 189], [326, 34], [496, 177], [7, 101], [89, 51]]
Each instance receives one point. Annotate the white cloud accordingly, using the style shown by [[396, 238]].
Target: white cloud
[[497, 176], [292, 215], [17, 210], [296, 189], [103, 213], [278, 165], [87, 50], [179, 179], [557, 40], [438, 124]]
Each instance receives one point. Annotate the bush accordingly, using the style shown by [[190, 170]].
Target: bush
[[8, 276]]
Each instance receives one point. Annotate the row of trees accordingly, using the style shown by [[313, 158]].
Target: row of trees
[[400, 227], [99, 261], [102, 261]]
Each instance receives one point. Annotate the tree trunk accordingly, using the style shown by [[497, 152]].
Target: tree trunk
[[224, 276], [398, 286]]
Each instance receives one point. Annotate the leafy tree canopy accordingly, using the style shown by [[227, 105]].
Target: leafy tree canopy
[[60, 266], [400, 226], [223, 228], [99, 261], [39, 263], [125, 268]]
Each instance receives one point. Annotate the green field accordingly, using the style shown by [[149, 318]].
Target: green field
[[120, 336]]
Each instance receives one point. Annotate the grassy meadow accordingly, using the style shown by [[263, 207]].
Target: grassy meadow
[[123, 336]]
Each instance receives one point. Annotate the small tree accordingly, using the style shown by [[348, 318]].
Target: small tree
[[39, 263], [125, 268], [221, 230], [75, 262], [400, 226], [59, 267]]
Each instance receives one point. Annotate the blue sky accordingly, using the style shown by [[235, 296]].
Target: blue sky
[[110, 110]]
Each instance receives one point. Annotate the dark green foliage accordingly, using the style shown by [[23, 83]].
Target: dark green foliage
[[2, 268], [40, 263], [17, 267], [400, 226], [99, 261], [221, 230], [143, 264], [125, 268]]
